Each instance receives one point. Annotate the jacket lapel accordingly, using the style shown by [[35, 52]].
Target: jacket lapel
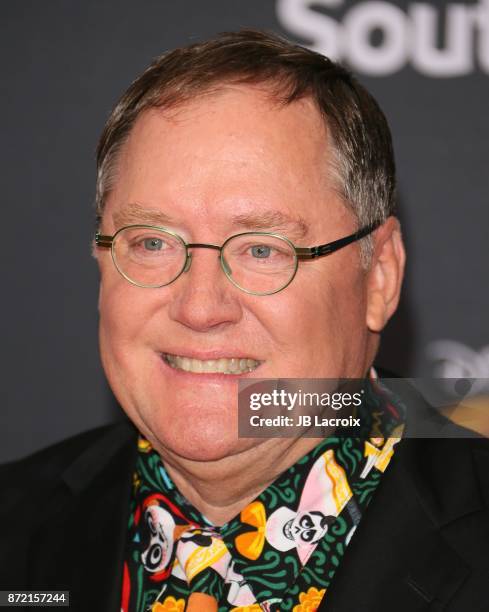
[[85, 525], [401, 556]]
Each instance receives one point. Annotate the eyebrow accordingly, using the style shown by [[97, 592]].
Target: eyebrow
[[133, 214], [272, 219]]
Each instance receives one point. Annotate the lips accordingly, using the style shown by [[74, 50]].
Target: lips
[[226, 365]]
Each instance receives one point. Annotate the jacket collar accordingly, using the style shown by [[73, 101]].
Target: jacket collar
[[404, 555], [91, 504]]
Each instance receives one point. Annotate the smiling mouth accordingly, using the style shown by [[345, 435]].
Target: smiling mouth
[[226, 365]]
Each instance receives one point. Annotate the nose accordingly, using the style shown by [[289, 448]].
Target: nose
[[204, 299]]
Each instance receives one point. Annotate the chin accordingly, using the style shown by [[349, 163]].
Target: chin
[[192, 431], [200, 445]]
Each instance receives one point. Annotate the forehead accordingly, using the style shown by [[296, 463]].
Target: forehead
[[235, 151]]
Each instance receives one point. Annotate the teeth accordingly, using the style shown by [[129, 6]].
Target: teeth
[[207, 366], [223, 366], [196, 365]]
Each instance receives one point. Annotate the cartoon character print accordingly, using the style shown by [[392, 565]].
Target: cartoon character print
[[378, 451], [185, 550], [326, 492], [160, 534], [202, 549], [239, 593], [161, 527], [307, 527]]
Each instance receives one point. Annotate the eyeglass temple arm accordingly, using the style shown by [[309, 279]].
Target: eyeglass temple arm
[[103, 241], [200, 245], [331, 247]]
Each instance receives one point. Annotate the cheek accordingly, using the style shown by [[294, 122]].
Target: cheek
[[117, 322], [125, 313], [319, 324], [127, 357]]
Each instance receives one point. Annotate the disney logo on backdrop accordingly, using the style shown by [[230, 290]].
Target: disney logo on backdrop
[[455, 361], [379, 38]]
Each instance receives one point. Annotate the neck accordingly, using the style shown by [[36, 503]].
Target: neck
[[221, 489]]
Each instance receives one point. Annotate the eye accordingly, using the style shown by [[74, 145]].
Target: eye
[[149, 520], [154, 557], [153, 244], [306, 522], [261, 251], [308, 536]]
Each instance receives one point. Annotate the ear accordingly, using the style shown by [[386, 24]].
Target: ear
[[385, 274]]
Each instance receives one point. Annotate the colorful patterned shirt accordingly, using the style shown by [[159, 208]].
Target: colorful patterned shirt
[[283, 549]]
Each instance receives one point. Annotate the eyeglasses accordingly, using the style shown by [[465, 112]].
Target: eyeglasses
[[259, 263]]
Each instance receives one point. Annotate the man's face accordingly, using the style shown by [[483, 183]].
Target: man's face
[[232, 162]]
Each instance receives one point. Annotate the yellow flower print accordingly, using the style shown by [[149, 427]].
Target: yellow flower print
[[309, 602], [169, 605], [143, 445], [253, 608]]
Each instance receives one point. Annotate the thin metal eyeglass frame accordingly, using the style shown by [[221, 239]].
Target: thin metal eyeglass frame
[[301, 253]]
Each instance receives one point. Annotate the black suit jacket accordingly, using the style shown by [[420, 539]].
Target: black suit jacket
[[423, 543]]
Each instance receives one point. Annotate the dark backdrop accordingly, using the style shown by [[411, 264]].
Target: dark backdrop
[[63, 65]]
